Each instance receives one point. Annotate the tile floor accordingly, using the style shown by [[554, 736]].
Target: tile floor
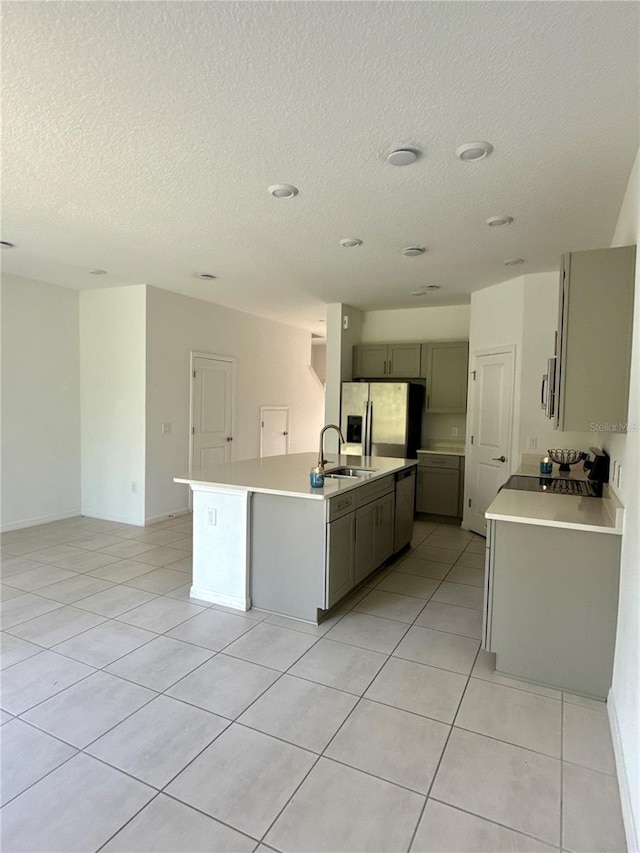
[[136, 719]]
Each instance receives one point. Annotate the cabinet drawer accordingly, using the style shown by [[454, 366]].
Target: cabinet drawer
[[433, 460], [341, 505], [371, 491]]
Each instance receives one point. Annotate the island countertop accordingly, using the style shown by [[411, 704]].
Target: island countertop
[[289, 475]]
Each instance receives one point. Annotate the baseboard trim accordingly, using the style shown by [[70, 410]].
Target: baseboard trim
[[105, 516], [234, 601], [43, 519], [175, 513], [626, 801]]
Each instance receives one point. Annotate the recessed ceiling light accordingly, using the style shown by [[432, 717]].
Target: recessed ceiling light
[[7, 245], [206, 276], [513, 262], [412, 251], [283, 190], [474, 151], [97, 272], [350, 242], [496, 221], [402, 157]]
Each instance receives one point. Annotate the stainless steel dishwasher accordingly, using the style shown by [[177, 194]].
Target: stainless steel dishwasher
[[405, 507]]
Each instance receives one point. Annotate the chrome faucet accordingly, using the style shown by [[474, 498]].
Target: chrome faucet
[[321, 459]]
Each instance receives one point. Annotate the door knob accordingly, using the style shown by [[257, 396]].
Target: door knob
[[499, 459], [285, 433], [229, 438]]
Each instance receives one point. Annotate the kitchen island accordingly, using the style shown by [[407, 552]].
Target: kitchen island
[[551, 588], [263, 537]]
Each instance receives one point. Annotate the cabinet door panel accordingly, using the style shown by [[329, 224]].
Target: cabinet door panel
[[403, 361], [438, 491], [364, 548], [340, 557], [370, 361], [446, 374], [383, 540]]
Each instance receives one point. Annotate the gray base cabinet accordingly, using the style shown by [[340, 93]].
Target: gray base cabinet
[[307, 555], [440, 484], [550, 610]]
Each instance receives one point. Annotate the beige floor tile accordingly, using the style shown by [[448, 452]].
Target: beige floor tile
[[507, 784], [23, 608], [224, 685], [466, 575], [88, 709], [216, 782], [524, 719], [437, 554], [592, 818], [102, 645], [269, 645], [452, 619], [58, 625], [15, 565], [423, 568], [35, 579], [420, 689], [473, 561], [444, 829], [159, 581], [53, 553], [13, 650], [161, 556], [86, 561], [127, 548], [324, 809], [165, 826], [411, 585], [155, 743], [587, 738], [75, 588], [478, 545], [212, 629], [8, 592], [406, 747], [368, 632], [390, 605], [339, 665], [159, 537], [161, 614], [122, 571], [300, 712], [160, 663], [585, 702], [459, 594], [27, 755], [305, 627], [115, 601], [33, 680], [438, 648], [96, 541], [48, 815]]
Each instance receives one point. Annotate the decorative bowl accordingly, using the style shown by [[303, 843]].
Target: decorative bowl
[[566, 458]]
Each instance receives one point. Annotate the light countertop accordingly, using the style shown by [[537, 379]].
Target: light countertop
[[597, 515], [289, 475]]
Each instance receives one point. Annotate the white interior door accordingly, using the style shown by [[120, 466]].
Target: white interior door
[[211, 411], [274, 430], [489, 449]]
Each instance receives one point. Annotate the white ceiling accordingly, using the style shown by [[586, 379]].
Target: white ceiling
[[141, 137]]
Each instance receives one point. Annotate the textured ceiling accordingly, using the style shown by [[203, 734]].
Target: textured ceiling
[[140, 137]]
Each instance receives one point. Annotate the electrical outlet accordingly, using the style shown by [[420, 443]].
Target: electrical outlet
[[454, 432], [212, 516], [532, 442]]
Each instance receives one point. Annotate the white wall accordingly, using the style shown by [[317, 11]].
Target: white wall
[[339, 361], [272, 369], [438, 323], [624, 699], [40, 403], [112, 378]]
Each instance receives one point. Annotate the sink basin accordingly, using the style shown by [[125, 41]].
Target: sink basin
[[349, 473]]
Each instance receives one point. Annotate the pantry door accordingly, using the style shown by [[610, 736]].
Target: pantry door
[[274, 430], [488, 462], [212, 410]]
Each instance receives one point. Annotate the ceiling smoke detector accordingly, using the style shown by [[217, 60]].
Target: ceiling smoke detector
[[513, 262], [413, 251], [471, 151], [350, 242], [283, 190], [97, 272], [402, 157], [206, 276], [429, 288], [497, 221], [7, 245]]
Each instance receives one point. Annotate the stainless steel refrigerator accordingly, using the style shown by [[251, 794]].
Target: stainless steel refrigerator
[[381, 418]]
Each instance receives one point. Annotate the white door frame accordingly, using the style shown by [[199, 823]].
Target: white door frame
[[233, 362], [264, 409], [471, 415]]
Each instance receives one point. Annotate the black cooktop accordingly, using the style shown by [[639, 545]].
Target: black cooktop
[[553, 485]]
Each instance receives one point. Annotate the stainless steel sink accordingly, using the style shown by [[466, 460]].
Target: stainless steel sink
[[349, 473]]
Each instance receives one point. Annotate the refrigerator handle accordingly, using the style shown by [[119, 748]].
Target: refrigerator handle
[[366, 443]]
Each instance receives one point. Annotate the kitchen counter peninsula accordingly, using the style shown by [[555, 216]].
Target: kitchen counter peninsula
[[263, 537]]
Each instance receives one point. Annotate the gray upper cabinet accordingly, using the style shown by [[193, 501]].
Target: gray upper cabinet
[[593, 348], [444, 366], [386, 361]]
